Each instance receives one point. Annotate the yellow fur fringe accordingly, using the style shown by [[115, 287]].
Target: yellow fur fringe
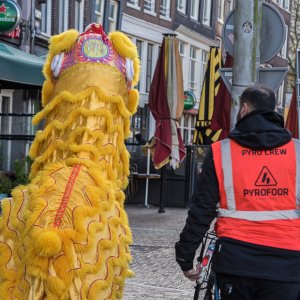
[[123, 45], [87, 255], [127, 49]]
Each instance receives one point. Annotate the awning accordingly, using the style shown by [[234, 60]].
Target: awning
[[19, 69]]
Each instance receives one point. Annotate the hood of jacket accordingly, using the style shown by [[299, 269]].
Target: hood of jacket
[[261, 129]]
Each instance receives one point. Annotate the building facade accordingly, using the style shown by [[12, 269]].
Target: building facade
[[283, 95], [55, 16], [195, 26], [40, 19], [145, 21]]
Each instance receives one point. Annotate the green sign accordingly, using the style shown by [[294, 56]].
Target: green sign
[[10, 14], [189, 100]]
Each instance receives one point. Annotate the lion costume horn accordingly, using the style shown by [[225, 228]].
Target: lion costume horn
[[65, 235]]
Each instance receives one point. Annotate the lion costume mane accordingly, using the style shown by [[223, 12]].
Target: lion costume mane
[[66, 235]]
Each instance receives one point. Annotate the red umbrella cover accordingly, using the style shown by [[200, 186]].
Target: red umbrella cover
[[166, 101], [292, 118]]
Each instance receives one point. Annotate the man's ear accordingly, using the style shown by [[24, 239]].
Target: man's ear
[[245, 109]]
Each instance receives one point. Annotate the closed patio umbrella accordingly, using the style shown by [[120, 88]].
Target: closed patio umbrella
[[166, 102], [222, 105], [292, 118], [203, 134]]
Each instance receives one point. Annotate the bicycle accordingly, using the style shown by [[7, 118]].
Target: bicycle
[[207, 280]]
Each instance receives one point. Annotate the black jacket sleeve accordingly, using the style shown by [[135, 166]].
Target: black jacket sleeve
[[200, 215]]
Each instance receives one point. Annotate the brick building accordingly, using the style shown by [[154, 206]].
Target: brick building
[[195, 26], [145, 21], [283, 95], [197, 23], [20, 97]]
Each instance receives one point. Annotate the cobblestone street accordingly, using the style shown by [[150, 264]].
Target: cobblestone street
[[157, 275]]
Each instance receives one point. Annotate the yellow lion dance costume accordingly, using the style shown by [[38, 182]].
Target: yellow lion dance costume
[[66, 234]]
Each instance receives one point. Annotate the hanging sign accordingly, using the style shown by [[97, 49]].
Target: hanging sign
[[189, 100], [10, 14]]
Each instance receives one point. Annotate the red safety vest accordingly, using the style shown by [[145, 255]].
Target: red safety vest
[[259, 194]]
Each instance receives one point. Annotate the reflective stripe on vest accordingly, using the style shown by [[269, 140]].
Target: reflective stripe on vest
[[297, 152], [260, 215], [231, 212], [227, 169]]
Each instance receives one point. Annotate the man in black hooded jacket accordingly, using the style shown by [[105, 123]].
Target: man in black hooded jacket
[[267, 268]]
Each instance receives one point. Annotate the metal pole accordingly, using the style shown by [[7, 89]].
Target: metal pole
[[26, 7], [244, 54], [257, 29], [187, 185], [147, 179], [162, 189], [298, 87], [32, 29]]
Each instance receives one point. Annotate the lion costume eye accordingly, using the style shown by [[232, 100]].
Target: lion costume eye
[[129, 69], [56, 64]]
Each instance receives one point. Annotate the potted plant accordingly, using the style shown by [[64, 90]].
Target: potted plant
[[5, 186], [21, 170], [20, 177]]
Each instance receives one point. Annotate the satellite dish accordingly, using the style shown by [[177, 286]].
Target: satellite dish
[[272, 34]]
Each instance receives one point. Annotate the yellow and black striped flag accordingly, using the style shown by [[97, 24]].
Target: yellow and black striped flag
[[203, 134]]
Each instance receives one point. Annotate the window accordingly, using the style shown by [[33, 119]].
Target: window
[[140, 126], [63, 15], [148, 52], [207, 12], [165, 8], [181, 47], [195, 10], [284, 4], [149, 6], [113, 14], [231, 5], [79, 7], [181, 6], [192, 84], [182, 52], [194, 62], [149, 70], [46, 18], [5, 128], [139, 50], [187, 122], [221, 10], [203, 62], [283, 51], [133, 3], [219, 39], [99, 9], [31, 106], [280, 97]]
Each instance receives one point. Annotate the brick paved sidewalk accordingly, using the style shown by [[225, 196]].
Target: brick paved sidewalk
[[157, 274]]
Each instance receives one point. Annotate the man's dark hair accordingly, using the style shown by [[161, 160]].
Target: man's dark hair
[[259, 97]]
